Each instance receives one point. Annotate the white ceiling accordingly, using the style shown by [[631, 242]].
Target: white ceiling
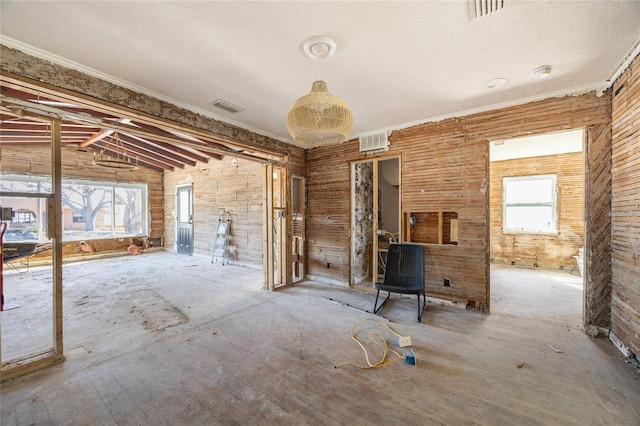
[[397, 63]]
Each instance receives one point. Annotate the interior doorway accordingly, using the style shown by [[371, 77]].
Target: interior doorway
[[375, 216], [276, 267], [537, 210]]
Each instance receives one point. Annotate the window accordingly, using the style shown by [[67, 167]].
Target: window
[[90, 209], [530, 204], [23, 216], [78, 217]]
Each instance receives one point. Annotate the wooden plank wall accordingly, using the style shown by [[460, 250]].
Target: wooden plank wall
[[220, 186], [445, 167], [31, 160], [597, 254], [540, 250], [625, 209]]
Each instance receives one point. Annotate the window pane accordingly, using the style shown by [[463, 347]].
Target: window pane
[[128, 211], [529, 218], [27, 216], [529, 191], [90, 202], [88, 209], [18, 184], [183, 205]]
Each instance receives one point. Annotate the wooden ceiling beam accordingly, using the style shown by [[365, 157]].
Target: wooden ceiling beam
[[135, 152], [197, 156], [158, 151], [144, 161], [264, 149], [98, 136], [152, 133], [36, 126], [22, 139]]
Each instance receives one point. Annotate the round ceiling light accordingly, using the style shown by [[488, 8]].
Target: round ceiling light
[[496, 82], [319, 47], [542, 71]]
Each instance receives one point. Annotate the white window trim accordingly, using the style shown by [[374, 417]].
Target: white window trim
[[553, 204], [145, 209]]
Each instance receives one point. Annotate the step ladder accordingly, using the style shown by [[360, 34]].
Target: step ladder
[[221, 243]]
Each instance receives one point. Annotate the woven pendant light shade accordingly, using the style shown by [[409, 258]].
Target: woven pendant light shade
[[319, 118]]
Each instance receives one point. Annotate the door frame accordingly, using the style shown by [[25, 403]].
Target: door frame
[[374, 229], [277, 263], [177, 214], [29, 363]]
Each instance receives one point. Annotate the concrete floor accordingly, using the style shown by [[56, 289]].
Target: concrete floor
[[170, 339]]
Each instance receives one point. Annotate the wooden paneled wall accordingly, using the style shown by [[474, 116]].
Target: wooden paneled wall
[[219, 186], [540, 250], [75, 164], [625, 209], [445, 167]]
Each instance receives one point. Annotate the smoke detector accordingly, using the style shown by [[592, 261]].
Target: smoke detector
[[319, 47]]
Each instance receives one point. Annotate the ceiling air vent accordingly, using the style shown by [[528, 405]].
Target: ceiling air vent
[[374, 142], [227, 106], [480, 8]]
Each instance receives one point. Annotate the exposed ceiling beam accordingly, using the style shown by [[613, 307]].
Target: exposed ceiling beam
[[149, 163], [44, 112], [134, 152], [96, 137], [141, 147], [186, 153], [264, 149]]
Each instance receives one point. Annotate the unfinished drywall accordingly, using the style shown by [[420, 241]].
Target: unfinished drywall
[[31, 160], [234, 186], [540, 250], [445, 167], [625, 209]]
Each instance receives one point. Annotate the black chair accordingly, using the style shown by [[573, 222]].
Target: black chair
[[404, 274]]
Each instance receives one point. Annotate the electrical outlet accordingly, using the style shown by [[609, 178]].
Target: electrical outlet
[[447, 282], [404, 341]]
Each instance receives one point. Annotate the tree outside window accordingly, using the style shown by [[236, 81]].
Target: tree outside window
[[91, 210]]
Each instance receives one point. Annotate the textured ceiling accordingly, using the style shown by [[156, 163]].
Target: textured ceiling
[[397, 63]]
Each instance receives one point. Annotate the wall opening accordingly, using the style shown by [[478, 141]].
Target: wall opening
[[375, 216], [537, 226]]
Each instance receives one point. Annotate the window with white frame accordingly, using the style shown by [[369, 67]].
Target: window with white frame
[[530, 204], [90, 209]]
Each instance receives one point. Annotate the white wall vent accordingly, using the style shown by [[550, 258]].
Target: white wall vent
[[227, 106], [480, 8], [375, 142]]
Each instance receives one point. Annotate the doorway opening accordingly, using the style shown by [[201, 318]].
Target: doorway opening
[[276, 267], [375, 217], [537, 225]]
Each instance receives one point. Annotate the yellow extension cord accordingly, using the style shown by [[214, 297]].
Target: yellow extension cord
[[377, 340]]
